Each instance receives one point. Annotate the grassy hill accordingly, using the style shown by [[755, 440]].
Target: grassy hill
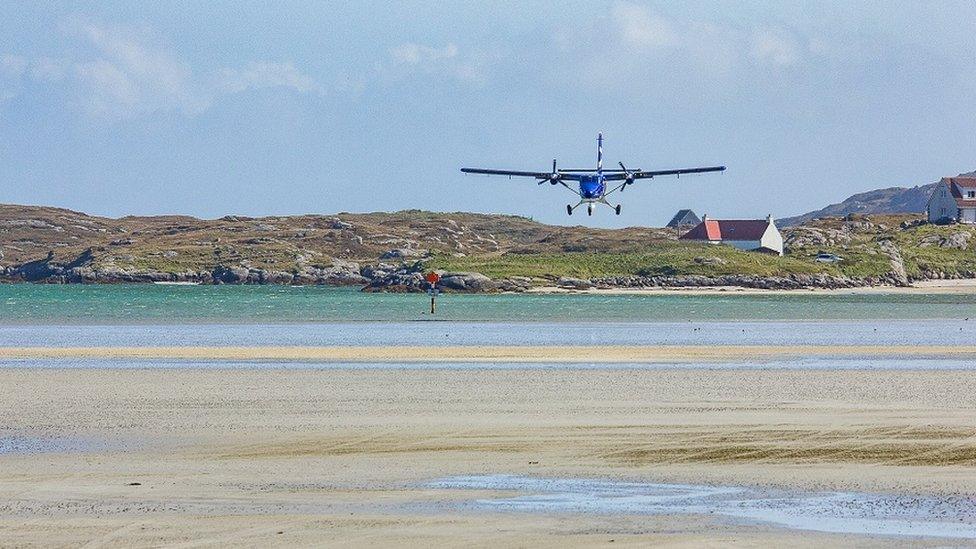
[[51, 244]]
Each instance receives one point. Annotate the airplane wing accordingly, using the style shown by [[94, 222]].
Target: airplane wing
[[642, 174], [511, 173], [537, 175]]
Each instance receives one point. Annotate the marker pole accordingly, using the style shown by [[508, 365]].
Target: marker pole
[[432, 291], [432, 278]]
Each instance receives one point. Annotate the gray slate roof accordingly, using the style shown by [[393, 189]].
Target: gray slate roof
[[684, 217]]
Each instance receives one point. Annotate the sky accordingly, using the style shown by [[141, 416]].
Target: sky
[[234, 107]]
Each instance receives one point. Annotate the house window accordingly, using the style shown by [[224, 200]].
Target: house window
[[943, 211], [970, 194]]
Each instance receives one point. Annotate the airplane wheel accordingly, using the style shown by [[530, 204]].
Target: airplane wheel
[[617, 209], [569, 209]]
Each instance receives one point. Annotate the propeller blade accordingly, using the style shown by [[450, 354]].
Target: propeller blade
[[553, 165], [629, 175]]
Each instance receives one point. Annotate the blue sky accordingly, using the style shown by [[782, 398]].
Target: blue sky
[[215, 108]]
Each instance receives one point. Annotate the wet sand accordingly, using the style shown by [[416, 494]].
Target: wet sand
[[345, 457], [605, 354]]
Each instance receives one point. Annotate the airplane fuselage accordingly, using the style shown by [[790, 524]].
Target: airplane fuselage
[[592, 187]]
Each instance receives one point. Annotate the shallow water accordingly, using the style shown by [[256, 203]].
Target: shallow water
[[837, 512], [39, 444], [151, 304], [820, 363], [826, 332]]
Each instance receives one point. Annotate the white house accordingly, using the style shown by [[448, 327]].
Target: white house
[[758, 235], [954, 199]]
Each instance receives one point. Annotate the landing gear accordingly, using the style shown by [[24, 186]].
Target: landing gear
[[569, 209], [617, 209], [589, 209]]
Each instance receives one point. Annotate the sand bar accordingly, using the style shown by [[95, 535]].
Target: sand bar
[[340, 457], [957, 286], [504, 354]]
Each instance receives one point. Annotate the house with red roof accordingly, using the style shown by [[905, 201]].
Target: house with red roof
[[756, 235], [954, 199]]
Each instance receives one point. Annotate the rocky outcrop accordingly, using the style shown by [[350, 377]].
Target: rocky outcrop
[[403, 253], [340, 273], [959, 241], [811, 237], [897, 273], [792, 282], [466, 282], [406, 279], [230, 275], [573, 283], [50, 269], [411, 279]]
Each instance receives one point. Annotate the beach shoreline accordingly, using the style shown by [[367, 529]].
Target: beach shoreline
[[344, 455], [527, 354], [952, 286]]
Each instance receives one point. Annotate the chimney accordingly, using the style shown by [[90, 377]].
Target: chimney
[[769, 218], [704, 217]]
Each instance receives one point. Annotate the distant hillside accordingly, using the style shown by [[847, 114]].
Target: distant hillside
[[51, 244], [476, 252], [893, 200]]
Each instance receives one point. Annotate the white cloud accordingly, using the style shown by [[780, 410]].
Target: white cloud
[[449, 60], [415, 54], [47, 69], [130, 72], [12, 68], [144, 65], [639, 27], [265, 74], [635, 43], [775, 47]]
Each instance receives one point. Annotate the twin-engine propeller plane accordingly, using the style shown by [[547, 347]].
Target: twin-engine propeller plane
[[594, 185]]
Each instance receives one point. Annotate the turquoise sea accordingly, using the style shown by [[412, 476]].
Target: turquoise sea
[[164, 304], [161, 315]]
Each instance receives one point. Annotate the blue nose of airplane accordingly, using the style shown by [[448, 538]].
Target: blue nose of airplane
[[591, 187]]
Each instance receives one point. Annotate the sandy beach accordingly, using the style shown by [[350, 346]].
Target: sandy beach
[[949, 286], [601, 354], [197, 457]]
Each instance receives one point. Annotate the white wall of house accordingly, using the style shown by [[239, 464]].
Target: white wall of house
[[772, 238], [967, 215], [942, 205]]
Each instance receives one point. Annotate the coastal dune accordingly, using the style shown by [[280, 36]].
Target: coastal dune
[[215, 456]]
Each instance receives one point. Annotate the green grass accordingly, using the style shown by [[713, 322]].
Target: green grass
[[863, 256], [667, 258], [858, 260], [933, 257], [552, 258]]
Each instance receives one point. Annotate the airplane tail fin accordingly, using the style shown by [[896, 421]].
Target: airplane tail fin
[[599, 151]]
